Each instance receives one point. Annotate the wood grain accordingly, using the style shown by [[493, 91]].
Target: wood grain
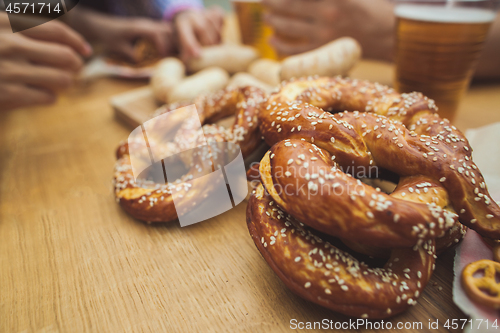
[[72, 261]]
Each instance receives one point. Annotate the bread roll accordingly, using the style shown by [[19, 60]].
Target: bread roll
[[334, 58], [168, 73], [243, 79], [206, 81], [232, 58], [266, 70]]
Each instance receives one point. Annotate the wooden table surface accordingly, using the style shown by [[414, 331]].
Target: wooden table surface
[[71, 260]]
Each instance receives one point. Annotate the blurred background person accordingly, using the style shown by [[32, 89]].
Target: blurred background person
[[173, 26], [302, 25], [39, 62]]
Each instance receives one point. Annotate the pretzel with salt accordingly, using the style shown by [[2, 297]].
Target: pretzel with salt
[[152, 201], [323, 274], [400, 134]]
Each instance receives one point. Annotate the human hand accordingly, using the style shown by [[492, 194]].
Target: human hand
[[119, 35], [196, 28], [38, 63], [302, 25]]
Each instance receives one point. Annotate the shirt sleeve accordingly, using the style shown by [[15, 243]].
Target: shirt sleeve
[[172, 7]]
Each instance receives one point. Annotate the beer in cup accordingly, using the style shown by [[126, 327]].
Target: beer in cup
[[437, 46], [254, 31]]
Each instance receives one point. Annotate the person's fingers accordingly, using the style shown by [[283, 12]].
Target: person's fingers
[[45, 53], [13, 96], [4, 21], [189, 45], [215, 19], [216, 15], [286, 48], [170, 39], [291, 27], [58, 32], [125, 48], [214, 32], [49, 78], [204, 31], [156, 32]]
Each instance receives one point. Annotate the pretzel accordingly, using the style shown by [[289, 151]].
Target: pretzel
[[438, 186], [321, 273], [485, 289], [398, 132], [154, 202]]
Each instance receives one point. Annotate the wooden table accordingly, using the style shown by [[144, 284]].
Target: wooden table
[[71, 260]]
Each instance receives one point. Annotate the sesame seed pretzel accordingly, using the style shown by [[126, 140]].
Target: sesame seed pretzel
[[321, 273], [452, 236], [154, 202], [400, 134]]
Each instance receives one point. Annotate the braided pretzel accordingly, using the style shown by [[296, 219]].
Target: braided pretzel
[[321, 273], [400, 134], [452, 236], [154, 202], [485, 289]]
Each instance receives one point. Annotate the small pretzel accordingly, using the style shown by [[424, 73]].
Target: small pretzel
[[154, 202], [484, 290]]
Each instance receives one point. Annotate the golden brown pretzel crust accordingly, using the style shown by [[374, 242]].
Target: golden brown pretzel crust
[[361, 213], [484, 289], [321, 273], [402, 134], [439, 185], [155, 202]]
